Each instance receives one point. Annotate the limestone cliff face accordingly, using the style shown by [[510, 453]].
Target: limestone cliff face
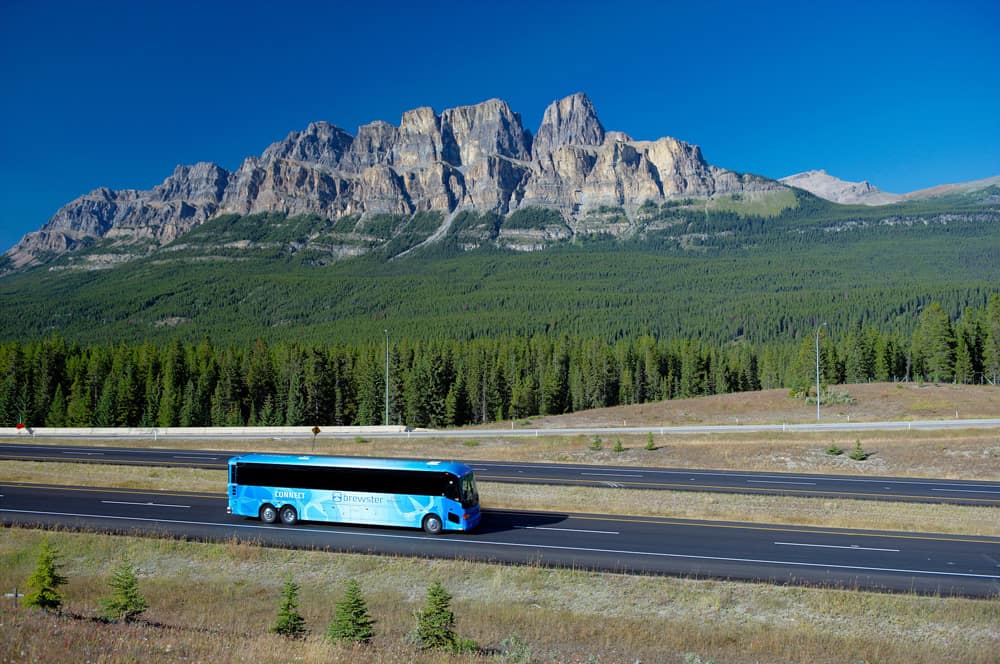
[[477, 158]]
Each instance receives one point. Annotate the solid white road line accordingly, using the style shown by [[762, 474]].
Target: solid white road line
[[964, 491], [853, 547]]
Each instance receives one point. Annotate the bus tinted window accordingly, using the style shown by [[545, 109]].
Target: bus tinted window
[[349, 479]]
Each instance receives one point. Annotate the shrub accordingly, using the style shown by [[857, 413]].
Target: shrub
[[290, 622], [126, 602], [833, 450], [597, 444], [45, 580], [618, 445], [351, 620], [514, 650], [650, 445]]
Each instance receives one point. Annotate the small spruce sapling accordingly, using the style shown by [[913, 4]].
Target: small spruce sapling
[[45, 580], [290, 622], [351, 621], [126, 602]]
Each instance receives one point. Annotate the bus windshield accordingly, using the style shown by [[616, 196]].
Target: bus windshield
[[470, 496]]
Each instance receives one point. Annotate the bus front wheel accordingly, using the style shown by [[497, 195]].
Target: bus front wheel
[[268, 514], [288, 515], [432, 524]]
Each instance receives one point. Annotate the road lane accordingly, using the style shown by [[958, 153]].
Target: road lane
[[965, 492], [946, 564]]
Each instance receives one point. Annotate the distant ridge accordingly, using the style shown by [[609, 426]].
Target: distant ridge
[[820, 183]]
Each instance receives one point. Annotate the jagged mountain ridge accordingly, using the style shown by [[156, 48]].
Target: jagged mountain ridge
[[477, 158]]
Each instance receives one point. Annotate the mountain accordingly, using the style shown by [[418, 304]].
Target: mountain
[[475, 158], [820, 183], [958, 189]]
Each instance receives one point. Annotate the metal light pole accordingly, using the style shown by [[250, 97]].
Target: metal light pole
[[386, 421], [817, 369]]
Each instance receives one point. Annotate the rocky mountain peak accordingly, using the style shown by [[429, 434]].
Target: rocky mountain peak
[[202, 182], [568, 121], [321, 143], [488, 128]]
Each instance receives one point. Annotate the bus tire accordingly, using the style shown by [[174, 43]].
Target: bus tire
[[432, 524], [268, 514], [288, 515]]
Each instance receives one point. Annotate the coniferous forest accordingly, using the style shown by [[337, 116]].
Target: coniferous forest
[[52, 382], [218, 330]]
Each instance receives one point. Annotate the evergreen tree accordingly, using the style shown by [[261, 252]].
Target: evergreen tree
[[933, 345], [57, 411], [126, 603], [351, 621], [436, 623], [290, 622], [44, 582], [991, 342], [78, 413]]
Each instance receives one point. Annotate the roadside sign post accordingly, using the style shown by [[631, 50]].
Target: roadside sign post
[[15, 595], [315, 431]]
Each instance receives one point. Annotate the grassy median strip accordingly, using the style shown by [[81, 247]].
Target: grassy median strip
[[864, 514]]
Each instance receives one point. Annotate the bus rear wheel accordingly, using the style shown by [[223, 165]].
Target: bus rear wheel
[[432, 524], [288, 515], [268, 514]]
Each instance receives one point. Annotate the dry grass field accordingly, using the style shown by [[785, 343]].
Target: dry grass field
[[214, 602]]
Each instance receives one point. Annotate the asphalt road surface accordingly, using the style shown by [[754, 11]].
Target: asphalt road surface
[[924, 563], [965, 492]]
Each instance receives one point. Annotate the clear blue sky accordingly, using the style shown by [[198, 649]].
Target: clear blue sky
[[903, 94]]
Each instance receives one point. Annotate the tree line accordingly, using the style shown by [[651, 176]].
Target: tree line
[[52, 382]]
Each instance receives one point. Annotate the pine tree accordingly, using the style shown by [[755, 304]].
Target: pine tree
[[991, 350], [57, 411], [45, 580], [436, 623], [351, 620], [933, 345], [126, 602], [290, 622]]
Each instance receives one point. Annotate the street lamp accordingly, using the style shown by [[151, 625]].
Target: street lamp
[[386, 421], [817, 369]]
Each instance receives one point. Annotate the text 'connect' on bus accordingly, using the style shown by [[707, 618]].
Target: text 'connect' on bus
[[433, 495]]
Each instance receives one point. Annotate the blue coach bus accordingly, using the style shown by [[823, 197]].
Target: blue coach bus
[[433, 495]]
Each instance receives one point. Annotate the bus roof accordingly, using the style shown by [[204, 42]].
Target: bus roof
[[370, 463]]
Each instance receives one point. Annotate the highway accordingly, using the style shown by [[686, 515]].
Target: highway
[[924, 563], [966, 492]]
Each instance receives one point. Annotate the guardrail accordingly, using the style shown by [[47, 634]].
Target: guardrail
[[189, 432]]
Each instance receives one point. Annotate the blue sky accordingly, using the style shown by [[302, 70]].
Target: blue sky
[[905, 95]]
